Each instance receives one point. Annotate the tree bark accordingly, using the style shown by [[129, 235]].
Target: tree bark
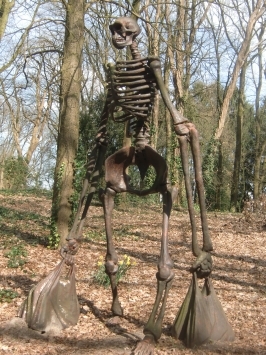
[[154, 40], [134, 14], [219, 177], [175, 49], [260, 144], [168, 125], [238, 150], [70, 93], [5, 9]]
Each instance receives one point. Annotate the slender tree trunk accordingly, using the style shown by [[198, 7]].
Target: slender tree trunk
[[219, 177], [2, 181], [68, 117], [154, 50], [263, 175], [259, 144], [134, 15], [127, 139], [176, 54], [238, 151], [155, 123], [171, 151], [168, 124]]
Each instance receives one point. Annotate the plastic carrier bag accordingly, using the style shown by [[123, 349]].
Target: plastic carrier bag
[[52, 304], [201, 317]]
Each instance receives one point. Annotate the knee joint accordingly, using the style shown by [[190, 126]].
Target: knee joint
[[111, 267], [165, 273]]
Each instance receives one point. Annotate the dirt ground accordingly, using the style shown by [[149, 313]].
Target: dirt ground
[[239, 280]]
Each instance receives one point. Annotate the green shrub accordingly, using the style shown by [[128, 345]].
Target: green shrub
[[17, 256], [7, 295], [15, 173]]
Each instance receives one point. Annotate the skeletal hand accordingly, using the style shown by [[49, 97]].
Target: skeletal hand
[[69, 250], [181, 129], [203, 265]]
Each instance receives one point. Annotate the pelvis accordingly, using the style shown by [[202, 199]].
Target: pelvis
[[143, 157]]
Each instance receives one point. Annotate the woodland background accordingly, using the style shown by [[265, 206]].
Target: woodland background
[[52, 90]]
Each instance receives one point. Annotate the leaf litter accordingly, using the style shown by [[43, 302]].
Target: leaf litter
[[239, 279]]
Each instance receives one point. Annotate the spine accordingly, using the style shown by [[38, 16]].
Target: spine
[[135, 51]]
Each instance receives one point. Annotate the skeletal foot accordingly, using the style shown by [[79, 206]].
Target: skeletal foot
[[117, 310], [145, 346]]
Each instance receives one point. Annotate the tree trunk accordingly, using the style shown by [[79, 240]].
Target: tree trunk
[[219, 178], [238, 151], [172, 152], [155, 123], [176, 54], [68, 118], [154, 44], [127, 139], [260, 143], [5, 9], [168, 124]]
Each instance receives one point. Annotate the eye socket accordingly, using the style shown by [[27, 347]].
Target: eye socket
[[114, 28], [117, 27]]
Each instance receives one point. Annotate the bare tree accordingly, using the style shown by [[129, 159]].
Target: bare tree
[[20, 34], [70, 94], [239, 136], [260, 144], [27, 108], [255, 13], [180, 32]]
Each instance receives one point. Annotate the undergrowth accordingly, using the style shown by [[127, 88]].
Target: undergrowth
[[7, 295], [17, 256], [100, 276]]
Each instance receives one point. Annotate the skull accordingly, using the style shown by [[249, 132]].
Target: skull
[[124, 30]]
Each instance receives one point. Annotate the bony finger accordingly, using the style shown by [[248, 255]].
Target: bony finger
[[199, 260], [196, 265], [205, 266]]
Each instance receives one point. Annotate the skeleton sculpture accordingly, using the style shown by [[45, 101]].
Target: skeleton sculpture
[[132, 87]]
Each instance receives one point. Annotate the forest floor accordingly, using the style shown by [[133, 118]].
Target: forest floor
[[239, 278]]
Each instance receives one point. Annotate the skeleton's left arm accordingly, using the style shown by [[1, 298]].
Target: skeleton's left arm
[[187, 133], [178, 119]]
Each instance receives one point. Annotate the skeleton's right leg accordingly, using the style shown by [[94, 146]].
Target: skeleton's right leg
[[111, 264]]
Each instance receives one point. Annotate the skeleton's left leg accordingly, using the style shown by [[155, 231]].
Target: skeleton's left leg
[[165, 275]]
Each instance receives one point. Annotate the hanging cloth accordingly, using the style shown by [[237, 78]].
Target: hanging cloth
[[53, 302], [201, 317]]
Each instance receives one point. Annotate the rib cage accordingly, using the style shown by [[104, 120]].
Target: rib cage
[[133, 90]]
